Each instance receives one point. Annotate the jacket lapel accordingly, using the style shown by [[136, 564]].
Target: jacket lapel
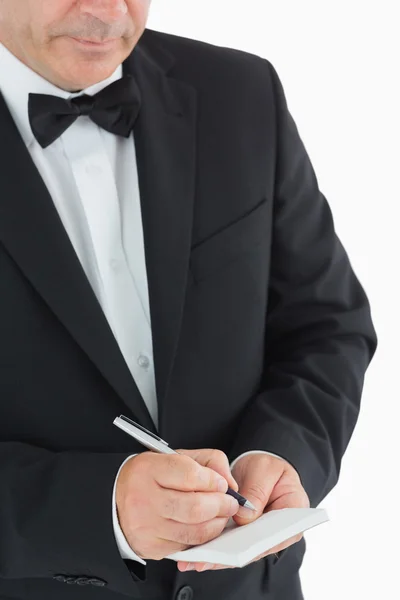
[[33, 234]]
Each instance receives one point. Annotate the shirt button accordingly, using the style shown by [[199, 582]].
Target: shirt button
[[143, 361], [114, 264]]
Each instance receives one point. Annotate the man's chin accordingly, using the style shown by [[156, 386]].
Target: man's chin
[[72, 74]]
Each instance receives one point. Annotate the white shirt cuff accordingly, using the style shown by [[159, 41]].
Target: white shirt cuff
[[122, 543]]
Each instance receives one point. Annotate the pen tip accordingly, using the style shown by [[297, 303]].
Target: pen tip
[[248, 504]]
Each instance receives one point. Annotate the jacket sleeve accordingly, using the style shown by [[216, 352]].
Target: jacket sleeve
[[55, 517], [319, 337]]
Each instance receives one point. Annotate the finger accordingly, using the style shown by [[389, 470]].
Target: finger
[[285, 544], [186, 566], [215, 459], [279, 548], [180, 472], [190, 535], [194, 507]]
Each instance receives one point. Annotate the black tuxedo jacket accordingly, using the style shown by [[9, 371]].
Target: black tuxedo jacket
[[262, 332]]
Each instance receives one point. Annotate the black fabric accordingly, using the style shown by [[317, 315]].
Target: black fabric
[[114, 108], [261, 331]]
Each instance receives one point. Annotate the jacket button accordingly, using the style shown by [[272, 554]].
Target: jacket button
[[185, 593]]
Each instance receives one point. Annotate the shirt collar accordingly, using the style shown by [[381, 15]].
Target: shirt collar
[[17, 80]]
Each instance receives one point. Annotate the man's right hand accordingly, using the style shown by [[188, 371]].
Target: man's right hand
[[169, 502]]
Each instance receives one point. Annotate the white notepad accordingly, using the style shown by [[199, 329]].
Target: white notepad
[[238, 545]]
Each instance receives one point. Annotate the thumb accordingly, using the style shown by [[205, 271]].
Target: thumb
[[256, 485]]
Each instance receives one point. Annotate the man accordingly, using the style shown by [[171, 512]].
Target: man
[[165, 253]]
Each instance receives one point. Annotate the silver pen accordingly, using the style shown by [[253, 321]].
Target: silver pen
[[156, 444]]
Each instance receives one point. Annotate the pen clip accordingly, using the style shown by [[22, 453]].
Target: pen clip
[[153, 435]]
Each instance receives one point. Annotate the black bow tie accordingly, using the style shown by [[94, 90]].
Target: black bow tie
[[115, 109]]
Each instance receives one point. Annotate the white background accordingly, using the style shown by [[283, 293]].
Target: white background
[[339, 65]]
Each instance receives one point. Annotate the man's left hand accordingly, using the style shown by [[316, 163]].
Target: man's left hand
[[270, 483]]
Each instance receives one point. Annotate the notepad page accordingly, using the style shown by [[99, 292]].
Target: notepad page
[[237, 545]]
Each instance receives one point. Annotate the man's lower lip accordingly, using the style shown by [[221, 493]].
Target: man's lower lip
[[94, 44]]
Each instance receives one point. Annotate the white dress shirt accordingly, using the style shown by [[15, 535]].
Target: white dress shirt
[[92, 178]]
